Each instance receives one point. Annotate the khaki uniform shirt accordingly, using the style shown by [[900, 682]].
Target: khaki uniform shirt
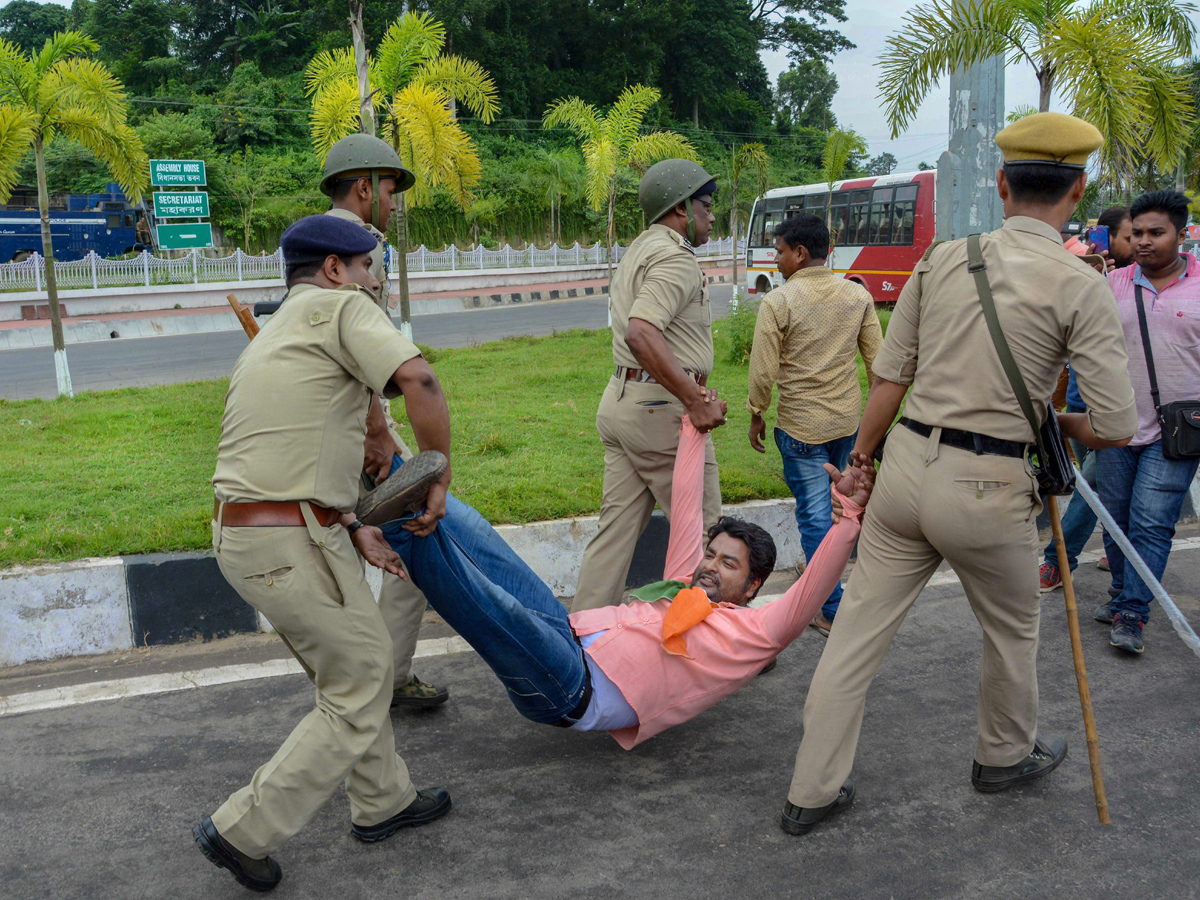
[[660, 281], [378, 268], [296, 410], [1051, 305], [809, 329]]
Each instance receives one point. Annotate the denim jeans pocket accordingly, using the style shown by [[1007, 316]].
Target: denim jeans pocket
[[525, 696]]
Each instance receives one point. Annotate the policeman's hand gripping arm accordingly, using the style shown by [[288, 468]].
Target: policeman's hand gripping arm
[[856, 483], [425, 405], [650, 349]]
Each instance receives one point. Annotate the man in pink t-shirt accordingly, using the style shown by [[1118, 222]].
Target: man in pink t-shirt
[[1143, 490], [637, 669]]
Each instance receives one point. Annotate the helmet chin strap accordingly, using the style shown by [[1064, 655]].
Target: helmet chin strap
[[375, 200], [691, 225]]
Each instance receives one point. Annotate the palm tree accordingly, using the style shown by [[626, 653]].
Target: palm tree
[[841, 146], [411, 86], [748, 160], [1113, 62], [58, 91], [613, 141], [552, 175]]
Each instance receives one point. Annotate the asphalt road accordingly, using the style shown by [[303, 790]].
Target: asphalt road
[[98, 801], [101, 365]]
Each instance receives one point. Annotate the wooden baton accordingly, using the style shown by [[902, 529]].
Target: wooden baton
[[245, 316], [1085, 695]]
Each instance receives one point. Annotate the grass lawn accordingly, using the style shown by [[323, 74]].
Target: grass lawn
[[129, 471]]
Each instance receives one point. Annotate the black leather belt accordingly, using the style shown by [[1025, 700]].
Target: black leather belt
[[585, 701], [979, 444]]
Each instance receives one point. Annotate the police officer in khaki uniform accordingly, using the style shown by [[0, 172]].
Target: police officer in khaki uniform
[[362, 176], [955, 483], [663, 351], [288, 467]]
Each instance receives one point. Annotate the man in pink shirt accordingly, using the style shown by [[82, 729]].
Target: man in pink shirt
[[637, 669], [1143, 490]]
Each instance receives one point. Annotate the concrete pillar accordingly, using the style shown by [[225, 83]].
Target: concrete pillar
[[966, 173]]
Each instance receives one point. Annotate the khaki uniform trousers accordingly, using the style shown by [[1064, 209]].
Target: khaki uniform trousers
[[932, 502], [639, 427], [309, 583], [401, 602]]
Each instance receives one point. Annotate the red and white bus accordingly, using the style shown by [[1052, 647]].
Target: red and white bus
[[881, 227]]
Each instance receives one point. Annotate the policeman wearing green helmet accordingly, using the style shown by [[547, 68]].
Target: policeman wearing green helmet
[[362, 176], [662, 355]]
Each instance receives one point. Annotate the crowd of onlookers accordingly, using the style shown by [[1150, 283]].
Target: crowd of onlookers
[[810, 329]]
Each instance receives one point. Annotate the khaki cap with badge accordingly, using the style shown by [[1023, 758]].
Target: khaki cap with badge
[[1049, 138]]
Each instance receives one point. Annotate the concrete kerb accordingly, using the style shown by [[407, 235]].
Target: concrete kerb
[[106, 605]]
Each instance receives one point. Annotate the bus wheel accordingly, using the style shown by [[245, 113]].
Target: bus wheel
[[763, 285]]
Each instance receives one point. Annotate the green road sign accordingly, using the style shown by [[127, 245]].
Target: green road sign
[[184, 237], [181, 204], [177, 172]]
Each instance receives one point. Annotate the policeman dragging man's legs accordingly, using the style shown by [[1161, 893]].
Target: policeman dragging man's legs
[[663, 354], [955, 483], [289, 464], [363, 175]]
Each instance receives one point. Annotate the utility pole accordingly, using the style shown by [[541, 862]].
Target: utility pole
[[966, 173]]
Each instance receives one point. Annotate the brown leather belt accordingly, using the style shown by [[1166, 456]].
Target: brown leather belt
[[272, 514], [644, 377]]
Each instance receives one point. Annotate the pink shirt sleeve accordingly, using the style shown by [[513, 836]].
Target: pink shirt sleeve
[[784, 619], [685, 547]]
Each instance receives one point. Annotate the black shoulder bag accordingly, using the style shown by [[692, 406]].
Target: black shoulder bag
[[1179, 421], [1051, 464]]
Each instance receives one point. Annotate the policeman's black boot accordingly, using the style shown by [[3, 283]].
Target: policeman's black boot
[[257, 874], [1048, 752], [429, 805], [801, 820]]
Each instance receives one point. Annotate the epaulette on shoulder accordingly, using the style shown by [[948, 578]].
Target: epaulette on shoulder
[[929, 250]]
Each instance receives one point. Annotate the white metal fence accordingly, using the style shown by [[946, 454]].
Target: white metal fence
[[147, 269]]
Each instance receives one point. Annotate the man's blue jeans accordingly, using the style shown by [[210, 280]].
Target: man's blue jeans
[[1144, 493], [806, 479], [487, 593], [1079, 522]]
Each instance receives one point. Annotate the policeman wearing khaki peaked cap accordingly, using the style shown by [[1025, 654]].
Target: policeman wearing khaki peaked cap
[[955, 483], [289, 465], [663, 354], [363, 176]]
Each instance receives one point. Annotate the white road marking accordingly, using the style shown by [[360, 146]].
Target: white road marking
[[143, 685]]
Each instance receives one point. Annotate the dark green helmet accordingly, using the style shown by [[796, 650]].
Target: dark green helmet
[[357, 155], [669, 183]]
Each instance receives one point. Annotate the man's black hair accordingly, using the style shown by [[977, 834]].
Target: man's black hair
[[1173, 203], [308, 269], [341, 188], [759, 543], [1040, 182], [807, 231], [1112, 217]]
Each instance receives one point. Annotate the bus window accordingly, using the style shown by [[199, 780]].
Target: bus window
[[114, 220], [816, 203], [776, 213], [128, 220], [881, 216], [856, 228], [904, 214], [841, 204], [755, 236]]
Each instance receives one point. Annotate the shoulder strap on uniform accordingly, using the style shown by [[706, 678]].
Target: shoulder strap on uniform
[[929, 251], [978, 268]]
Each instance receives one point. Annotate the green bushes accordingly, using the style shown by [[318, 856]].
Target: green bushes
[[738, 327]]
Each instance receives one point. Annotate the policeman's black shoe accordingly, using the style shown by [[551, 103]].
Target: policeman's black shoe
[[418, 694], [1048, 752], [429, 805], [799, 820], [1127, 633], [1104, 613], [257, 874], [404, 491]]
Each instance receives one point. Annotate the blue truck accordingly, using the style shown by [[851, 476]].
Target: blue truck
[[106, 223]]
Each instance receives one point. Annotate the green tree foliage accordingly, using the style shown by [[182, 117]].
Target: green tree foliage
[[883, 164], [29, 25], [130, 34], [804, 96]]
